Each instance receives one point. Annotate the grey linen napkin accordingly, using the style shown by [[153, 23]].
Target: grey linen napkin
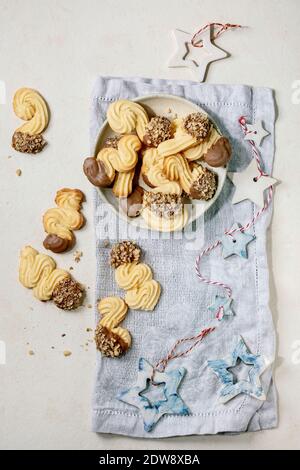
[[182, 309]]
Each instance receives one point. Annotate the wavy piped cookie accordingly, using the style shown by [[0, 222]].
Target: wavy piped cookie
[[154, 176], [123, 184], [145, 297], [31, 107], [111, 339], [190, 130], [59, 222], [166, 224], [131, 275], [134, 277], [198, 152], [177, 168], [126, 116], [39, 272], [101, 171]]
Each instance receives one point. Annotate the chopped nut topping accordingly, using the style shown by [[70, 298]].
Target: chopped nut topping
[[197, 125], [112, 142], [205, 186], [157, 130], [163, 205], [124, 252], [67, 294], [26, 143], [107, 344]]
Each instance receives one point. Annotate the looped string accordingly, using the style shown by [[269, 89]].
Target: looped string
[[242, 121], [243, 124], [219, 28], [162, 363]]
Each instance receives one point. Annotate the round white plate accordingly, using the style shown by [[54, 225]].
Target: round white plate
[[170, 106]]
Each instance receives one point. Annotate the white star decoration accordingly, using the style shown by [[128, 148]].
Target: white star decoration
[[195, 58], [256, 132], [247, 187]]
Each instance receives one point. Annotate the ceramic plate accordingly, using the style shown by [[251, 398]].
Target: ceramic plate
[[161, 104]]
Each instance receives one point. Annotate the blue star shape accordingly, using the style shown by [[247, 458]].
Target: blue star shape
[[219, 302], [252, 386], [236, 244], [152, 411]]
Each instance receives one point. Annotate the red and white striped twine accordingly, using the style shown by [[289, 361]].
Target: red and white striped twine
[[242, 121], [219, 27], [243, 124], [162, 363]]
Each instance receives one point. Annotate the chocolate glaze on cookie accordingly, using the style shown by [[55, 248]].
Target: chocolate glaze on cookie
[[133, 204], [219, 154], [57, 244], [96, 173]]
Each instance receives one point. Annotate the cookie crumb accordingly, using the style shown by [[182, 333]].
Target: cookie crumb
[[89, 329], [30, 352], [77, 256], [89, 306], [63, 335], [67, 353], [18, 172], [71, 268], [105, 243]]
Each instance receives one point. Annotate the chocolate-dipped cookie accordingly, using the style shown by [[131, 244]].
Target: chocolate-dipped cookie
[[95, 172], [133, 204], [219, 154]]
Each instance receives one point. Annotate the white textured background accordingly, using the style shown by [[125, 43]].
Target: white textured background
[[58, 47]]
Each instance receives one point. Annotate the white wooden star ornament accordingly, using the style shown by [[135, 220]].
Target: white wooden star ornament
[[250, 185], [256, 133], [195, 58]]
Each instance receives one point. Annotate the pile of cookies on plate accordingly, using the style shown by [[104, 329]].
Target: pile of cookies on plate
[[155, 165]]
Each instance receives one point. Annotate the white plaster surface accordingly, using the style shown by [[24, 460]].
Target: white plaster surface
[[59, 47]]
